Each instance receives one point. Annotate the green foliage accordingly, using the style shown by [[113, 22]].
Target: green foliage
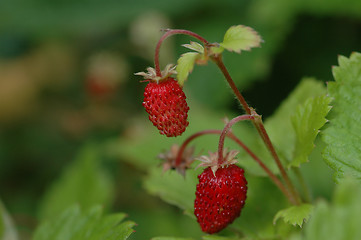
[[256, 220], [74, 224], [282, 132], [239, 38], [342, 152], [307, 121], [174, 188], [84, 182], [279, 126], [28, 25], [340, 219], [7, 228], [185, 66], [295, 215]]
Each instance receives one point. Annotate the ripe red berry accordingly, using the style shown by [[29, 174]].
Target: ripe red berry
[[165, 102], [220, 196]]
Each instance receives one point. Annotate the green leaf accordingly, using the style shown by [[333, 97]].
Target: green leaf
[[173, 187], [342, 137], [185, 66], [307, 121], [7, 228], [340, 219], [279, 126], [74, 223], [239, 38], [83, 182], [295, 215], [280, 129], [256, 220], [194, 46]]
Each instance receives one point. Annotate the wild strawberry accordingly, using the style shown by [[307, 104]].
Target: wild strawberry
[[220, 197], [165, 102]]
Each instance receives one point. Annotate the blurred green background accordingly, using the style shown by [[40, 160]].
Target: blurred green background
[[68, 93]]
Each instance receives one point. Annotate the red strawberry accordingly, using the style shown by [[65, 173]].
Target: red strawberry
[[165, 102], [220, 196]]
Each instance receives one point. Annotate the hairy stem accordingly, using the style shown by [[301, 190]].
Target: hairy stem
[[263, 133], [170, 32], [218, 60], [225, 131], [257, 121]]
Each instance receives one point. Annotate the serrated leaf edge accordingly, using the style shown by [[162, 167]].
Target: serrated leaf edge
[[257, 44]]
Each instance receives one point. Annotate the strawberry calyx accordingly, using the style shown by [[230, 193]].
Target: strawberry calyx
[[212, 160], [169, 159], [151, 74]]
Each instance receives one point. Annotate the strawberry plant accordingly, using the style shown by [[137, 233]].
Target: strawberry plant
[[209, 171], [288, 139]]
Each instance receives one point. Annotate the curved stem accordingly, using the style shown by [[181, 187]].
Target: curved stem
[[225, 131], [189, 139], [170, 32], [257, 121]]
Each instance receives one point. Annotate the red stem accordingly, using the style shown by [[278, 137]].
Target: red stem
[[262, 131], [189, 139], [218, 60], [171, 32], [273, 177], [257, 123], [225, 131]]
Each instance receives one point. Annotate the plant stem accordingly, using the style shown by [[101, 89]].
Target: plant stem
[[218, 60], [270, 174], [273, 177], [257, 121], [170, 32], [189, 139], [304, 187], [225, 131], [263, 133]]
